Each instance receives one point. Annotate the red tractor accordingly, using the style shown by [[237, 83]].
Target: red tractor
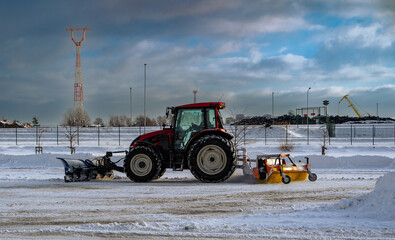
[[196, 140]]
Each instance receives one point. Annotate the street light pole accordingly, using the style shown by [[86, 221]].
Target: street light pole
[[307, 116], [194, 96], [131, 104], [145, 95], [272, 104]]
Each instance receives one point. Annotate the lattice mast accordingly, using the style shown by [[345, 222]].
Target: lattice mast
[[78, 93]]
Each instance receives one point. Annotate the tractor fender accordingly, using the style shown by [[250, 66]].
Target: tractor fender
[[218, 132], [147, 144]]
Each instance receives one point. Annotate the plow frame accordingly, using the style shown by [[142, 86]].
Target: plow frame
[[94, 168]]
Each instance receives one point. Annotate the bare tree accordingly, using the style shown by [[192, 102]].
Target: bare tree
[[120, 121], [125, 121], [325, 136], [39, 133], [114, 121], [162, 120], [71, 135], [76, 117], [140, 121], [239, 131], [99, 121]]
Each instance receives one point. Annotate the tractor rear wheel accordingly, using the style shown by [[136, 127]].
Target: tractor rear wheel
[[211, 159], [161, 173], [142, 164]]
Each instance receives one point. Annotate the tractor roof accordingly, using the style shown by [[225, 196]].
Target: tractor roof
[[219, 105]]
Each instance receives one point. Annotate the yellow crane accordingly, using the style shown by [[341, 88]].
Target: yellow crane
[[352, 105]]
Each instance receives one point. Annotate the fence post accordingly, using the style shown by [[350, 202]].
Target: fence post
[[265, 136], [286, 134], [351, 134], [237, 140], [36, 134], [373, 133], [78, 135], [16, 135], [57, 134], [329, 135], [244, 134], [98, 135], [119, 135]]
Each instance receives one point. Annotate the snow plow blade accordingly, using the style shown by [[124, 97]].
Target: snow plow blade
[[100, 168], [276, 168]]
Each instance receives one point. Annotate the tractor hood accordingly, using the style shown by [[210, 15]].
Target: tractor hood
[[151, 138]]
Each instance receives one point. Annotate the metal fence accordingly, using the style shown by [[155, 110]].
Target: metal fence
[[341, 134], [58, 135]]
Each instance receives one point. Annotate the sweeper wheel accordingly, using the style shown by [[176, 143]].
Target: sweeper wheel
[[286, 179], [312, 177]]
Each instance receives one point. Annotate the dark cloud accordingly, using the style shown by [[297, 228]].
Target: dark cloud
[[211, 46]]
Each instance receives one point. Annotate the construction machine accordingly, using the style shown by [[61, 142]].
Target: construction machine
[[196, 140], [352, 105]]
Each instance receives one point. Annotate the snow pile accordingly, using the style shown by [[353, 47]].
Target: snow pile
[[378, 204], [351, 162]]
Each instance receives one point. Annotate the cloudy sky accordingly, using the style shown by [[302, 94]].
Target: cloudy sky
[[235, 51]]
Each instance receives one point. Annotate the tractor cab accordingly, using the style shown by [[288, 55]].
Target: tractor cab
[[189, 120]]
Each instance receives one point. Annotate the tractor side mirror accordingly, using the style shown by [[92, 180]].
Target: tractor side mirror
[[169, 110]]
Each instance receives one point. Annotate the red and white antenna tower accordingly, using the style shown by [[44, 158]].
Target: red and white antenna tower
[[78, 96]]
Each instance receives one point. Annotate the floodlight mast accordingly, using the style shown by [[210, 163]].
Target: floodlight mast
[[78, 93]]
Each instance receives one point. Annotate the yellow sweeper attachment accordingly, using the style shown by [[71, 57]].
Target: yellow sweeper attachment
[[276, 168]]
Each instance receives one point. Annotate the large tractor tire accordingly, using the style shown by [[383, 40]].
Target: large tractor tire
[[212, 159], [161, 173], [143, 164]]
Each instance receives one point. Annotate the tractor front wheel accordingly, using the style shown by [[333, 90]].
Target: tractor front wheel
[[211, 159], [142, 164]]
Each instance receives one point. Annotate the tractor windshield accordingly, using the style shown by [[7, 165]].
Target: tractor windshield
[[190, 121]]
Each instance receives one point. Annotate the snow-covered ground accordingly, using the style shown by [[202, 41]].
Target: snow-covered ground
[[353, 198]]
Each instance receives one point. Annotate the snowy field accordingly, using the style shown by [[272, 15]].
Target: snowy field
[[353, 198]]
